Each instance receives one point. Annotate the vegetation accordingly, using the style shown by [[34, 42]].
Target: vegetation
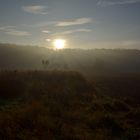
[[64, 105]]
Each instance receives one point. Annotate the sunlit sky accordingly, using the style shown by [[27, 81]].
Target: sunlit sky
[[82, 23]]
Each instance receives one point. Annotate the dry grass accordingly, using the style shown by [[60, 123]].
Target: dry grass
[[40, 105]]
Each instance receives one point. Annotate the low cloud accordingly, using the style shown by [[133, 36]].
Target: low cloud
[[35, 9], [19, 33], [3, 28], [69, 32], [46, 31], [78, 21], [48, 40], [10, 30], [74, 31], [105, 3]]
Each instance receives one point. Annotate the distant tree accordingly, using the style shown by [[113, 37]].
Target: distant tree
[[45, 63]]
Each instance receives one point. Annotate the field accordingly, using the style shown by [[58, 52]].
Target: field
[[65, 105]]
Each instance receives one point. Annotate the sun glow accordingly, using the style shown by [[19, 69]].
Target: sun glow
[[59, 44]]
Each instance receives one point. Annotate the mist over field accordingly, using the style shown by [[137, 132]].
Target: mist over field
[[86, 61], [69, 94], [69, 69]]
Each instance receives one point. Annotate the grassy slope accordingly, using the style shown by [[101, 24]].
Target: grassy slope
[[40, 105]]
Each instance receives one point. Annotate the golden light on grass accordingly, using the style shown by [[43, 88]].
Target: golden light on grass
[[59, 44]]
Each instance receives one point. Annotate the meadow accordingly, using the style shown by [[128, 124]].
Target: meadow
[[66, 105]]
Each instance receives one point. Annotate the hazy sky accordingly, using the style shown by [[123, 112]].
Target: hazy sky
[[83, 23]]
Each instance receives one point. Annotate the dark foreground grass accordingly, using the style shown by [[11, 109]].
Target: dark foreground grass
[[58, 105]]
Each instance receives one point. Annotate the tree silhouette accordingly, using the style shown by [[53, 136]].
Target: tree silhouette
[[45, 63]]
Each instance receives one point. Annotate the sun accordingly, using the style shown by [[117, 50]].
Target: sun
[[59, 44]]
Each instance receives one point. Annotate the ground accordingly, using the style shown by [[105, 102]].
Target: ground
[[60, 105]]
